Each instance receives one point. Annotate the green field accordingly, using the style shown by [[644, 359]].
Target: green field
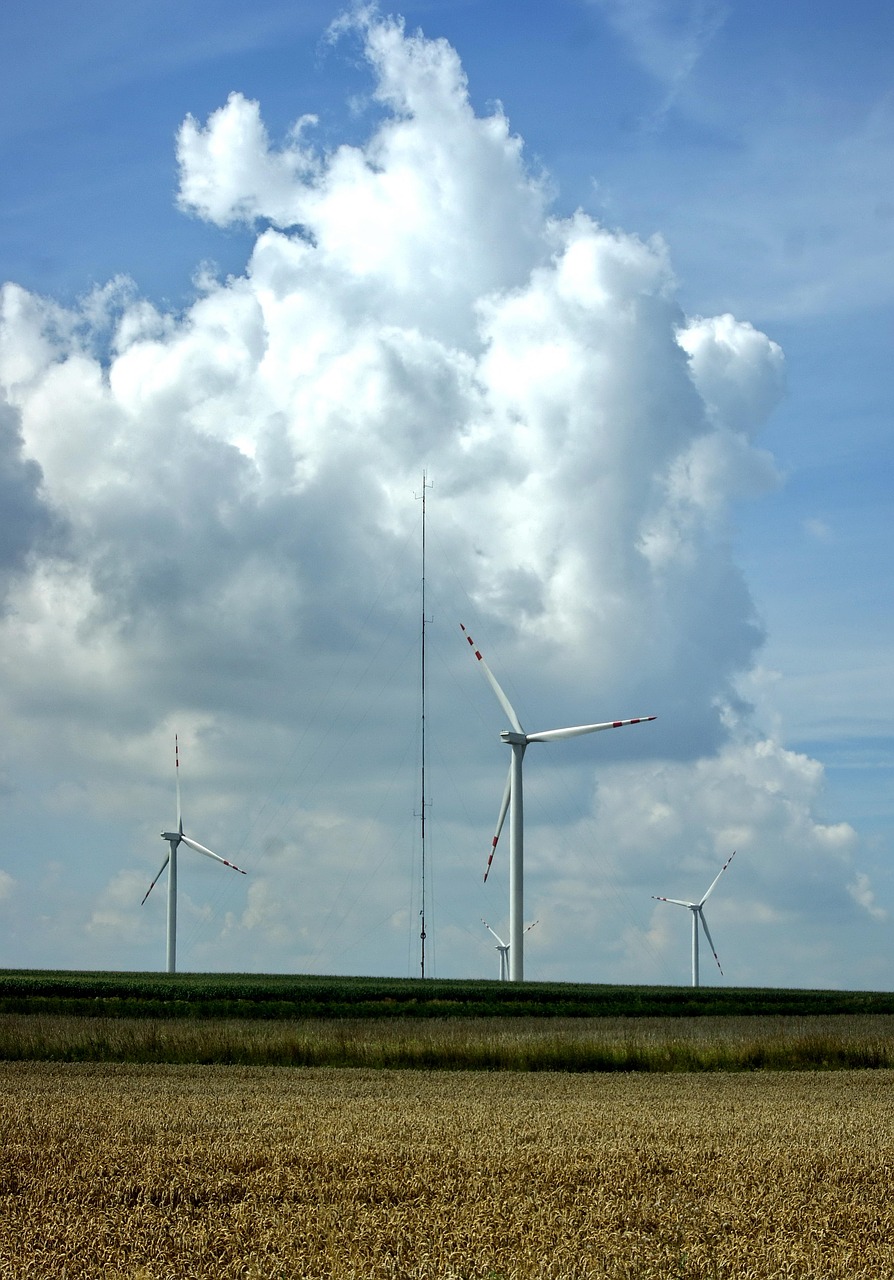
[[288, 1021], [288, 996]]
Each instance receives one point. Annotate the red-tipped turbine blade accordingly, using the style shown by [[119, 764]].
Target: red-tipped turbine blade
[[701, 916], [492, 679], [717, 877], [504, 809], [490, 931], [555, 735], [177, 777], [156, 880], [200, 848]]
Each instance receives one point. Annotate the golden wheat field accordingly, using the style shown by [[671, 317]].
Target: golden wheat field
[[185, 1171]]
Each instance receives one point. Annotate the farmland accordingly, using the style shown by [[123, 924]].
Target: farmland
[[257, 1128], [149, 1172], [284, 996], [287, 1020]]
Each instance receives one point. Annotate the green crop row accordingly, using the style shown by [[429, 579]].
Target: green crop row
[[289, 996]]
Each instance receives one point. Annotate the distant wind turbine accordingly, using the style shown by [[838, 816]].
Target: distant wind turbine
[[175, 839], [698, 914], [503, 948], [518, 740]]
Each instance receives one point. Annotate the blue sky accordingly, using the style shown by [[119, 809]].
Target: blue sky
[[754, 143]]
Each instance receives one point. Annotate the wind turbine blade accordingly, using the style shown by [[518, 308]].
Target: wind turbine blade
[[701, 916], [555, 735], [501, 697], [504, 809], [177, 777], [717, 877], [200, 848], [490, 931], [676, 901], [531, 926], [157, 878]]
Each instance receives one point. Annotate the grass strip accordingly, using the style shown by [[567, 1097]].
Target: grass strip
[[490, 1044]]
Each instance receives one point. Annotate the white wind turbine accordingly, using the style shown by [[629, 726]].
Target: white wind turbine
[[518, 740], [698, 914], [503, 948], [175, 839]]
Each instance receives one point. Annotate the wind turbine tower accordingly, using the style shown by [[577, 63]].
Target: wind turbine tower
[[698, 914], [518, 740], [175, 839]]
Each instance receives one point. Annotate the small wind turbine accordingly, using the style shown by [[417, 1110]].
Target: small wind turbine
[[174, 839], [503, 948], [698, 914], [518, 740]]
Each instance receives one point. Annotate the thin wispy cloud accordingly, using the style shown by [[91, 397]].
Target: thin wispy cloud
[[667, 38]]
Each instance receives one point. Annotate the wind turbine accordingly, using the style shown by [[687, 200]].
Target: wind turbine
[[518, 740], [698, 914], [175, 839], [503, 948]]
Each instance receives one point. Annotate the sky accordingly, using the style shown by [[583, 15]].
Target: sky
[[611, 283]]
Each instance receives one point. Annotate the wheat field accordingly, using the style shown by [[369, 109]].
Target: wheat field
[[155, 1172]]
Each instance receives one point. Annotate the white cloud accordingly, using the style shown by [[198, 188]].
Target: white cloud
[[739, 372], [113, 917], [7, 886], [862, 893], [435, 210], [819, 530], [753, 795], [228, 173]]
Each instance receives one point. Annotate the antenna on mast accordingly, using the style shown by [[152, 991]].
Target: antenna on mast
[[422, 935]]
